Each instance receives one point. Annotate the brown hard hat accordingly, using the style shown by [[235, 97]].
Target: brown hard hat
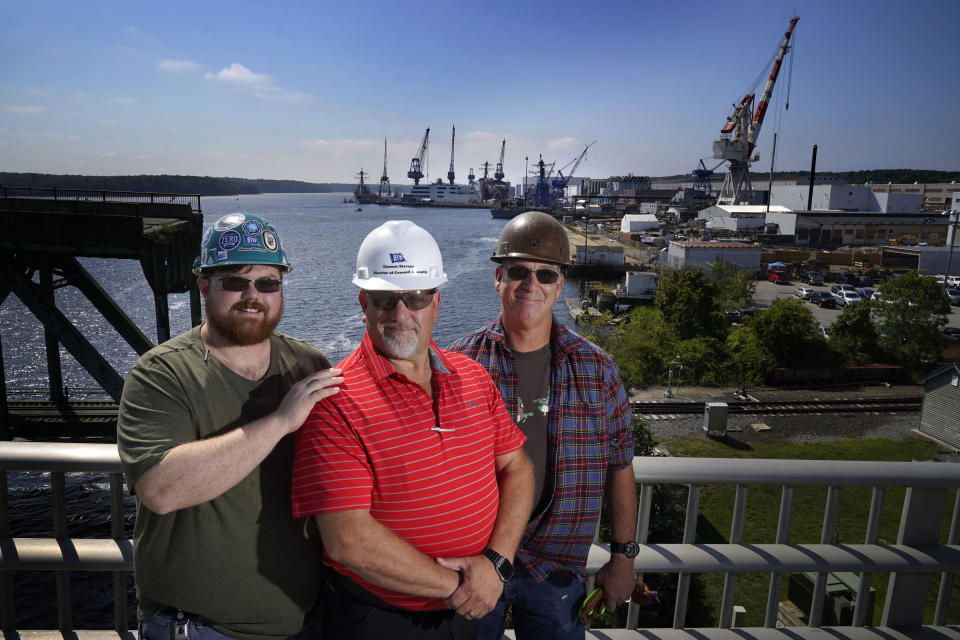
[[533, 235]]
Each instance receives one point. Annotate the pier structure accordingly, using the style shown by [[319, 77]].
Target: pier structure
[[45, 232]]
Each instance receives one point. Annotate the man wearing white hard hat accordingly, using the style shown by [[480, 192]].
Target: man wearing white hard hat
[[415, 471]]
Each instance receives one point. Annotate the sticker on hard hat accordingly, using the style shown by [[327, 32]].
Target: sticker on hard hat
[[252, 227], [397, 257], [229, 222], [206, 236], [251, 241], [270, 240], [229, 240], [221, 255]]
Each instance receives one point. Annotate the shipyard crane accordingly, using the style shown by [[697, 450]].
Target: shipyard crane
[[471, 177], [560, 184], [702, 177], [498, 173], [450, 174], [419, 161], [384, 191], [739, 135]]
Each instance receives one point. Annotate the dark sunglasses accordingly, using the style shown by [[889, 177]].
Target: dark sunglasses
[[544, 276], [414, 300], [263, 285]]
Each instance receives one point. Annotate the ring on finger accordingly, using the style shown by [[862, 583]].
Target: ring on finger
[[470, 615]]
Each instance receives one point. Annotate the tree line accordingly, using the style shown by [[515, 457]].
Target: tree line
[[198, 185], [687, 326], [874, 176]]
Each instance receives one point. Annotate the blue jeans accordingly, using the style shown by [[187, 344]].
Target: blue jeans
[[547, 610], [163, 627]]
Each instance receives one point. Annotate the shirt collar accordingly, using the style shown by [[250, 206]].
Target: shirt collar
[[381, 368]]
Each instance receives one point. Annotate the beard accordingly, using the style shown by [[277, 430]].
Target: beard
[[400, 348], [243, 332]]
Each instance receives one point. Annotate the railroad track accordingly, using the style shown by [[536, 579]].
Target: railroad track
[[668, 409], [105, 411]]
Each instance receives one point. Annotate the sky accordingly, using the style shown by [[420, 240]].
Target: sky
[[309, 90]]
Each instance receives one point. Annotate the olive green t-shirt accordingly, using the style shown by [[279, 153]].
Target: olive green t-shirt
[[240, 561]]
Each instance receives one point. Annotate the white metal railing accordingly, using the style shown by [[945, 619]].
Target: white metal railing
[[912, 560]]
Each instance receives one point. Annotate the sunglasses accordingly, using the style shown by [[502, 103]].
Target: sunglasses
[[263, 285], [544, 276], [414, 300]]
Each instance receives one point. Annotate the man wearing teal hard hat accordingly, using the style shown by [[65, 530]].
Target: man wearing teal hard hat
[[205, 436]]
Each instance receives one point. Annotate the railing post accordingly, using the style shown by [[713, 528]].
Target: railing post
[[730, 579], [689, 537], [826, 537], [116, 532], [919, 524], [8, 618], [783, 533], [59, 497]]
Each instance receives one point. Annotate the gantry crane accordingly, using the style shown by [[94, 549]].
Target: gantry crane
[[702, 178], [450, 174], [739, 135], [384, 191], [419, 162]]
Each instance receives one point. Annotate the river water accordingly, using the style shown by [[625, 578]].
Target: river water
[[321, 234]]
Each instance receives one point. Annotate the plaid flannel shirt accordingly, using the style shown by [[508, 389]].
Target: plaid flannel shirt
[[590, 433]]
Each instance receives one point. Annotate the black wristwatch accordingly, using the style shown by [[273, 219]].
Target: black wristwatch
[[629, 549], [504, 569]]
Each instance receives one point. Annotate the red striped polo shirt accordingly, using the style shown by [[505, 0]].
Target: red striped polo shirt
[[422, 466]]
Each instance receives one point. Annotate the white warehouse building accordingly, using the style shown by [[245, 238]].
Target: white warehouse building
[[738, 255]]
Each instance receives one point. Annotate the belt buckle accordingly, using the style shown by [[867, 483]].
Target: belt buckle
[[180, 626]]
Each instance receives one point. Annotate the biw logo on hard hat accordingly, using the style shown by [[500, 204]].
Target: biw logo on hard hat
[[397, 257]]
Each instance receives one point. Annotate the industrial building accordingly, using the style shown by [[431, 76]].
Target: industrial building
[[941, 405], [831, 228], [738, 255]]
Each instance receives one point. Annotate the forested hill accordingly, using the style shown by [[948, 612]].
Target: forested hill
[[201, 185], [875, 176]]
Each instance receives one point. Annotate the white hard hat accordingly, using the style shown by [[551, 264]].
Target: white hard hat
[[399, 256]]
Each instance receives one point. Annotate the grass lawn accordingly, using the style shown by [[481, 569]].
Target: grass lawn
[[763, 505]]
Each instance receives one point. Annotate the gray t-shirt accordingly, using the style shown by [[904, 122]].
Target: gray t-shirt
[[240, 561], [531, 413]]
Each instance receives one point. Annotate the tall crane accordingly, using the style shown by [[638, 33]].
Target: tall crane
[[702, 178], [739, 135], [450, 174], [498, 172], [419, 161], [560, 184], [384, 191]]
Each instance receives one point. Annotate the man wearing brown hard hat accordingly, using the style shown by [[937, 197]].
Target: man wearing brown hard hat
[[566, 395]]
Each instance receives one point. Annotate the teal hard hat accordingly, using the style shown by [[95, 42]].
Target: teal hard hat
[[241, 238]]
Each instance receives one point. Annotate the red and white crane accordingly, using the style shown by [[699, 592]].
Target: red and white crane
[[739, 135]]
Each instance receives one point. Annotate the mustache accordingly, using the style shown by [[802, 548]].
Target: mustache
[[253, 304], [400, 325]]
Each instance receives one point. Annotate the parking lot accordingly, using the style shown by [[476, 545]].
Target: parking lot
[[767, 292]]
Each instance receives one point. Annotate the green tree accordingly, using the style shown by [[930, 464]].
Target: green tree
[[736, 287], [790, 333], [689, 301], [907, 314], [750, 361], [854, 336], [643, 345], [704, 361]]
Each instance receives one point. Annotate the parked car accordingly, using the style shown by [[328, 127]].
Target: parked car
[[823, 299], [813, 277], [825, 331], [954, 295], [950, 333], [847, 298], [778, 276], [953, 281], [840, 287], [865, 293], [864, 281], [804, 293]]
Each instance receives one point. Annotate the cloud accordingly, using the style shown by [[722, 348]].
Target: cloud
[[261, 85], [343, 145], [126, 101], [24, 109], [562, 144], [20, 134], [177, 66]]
